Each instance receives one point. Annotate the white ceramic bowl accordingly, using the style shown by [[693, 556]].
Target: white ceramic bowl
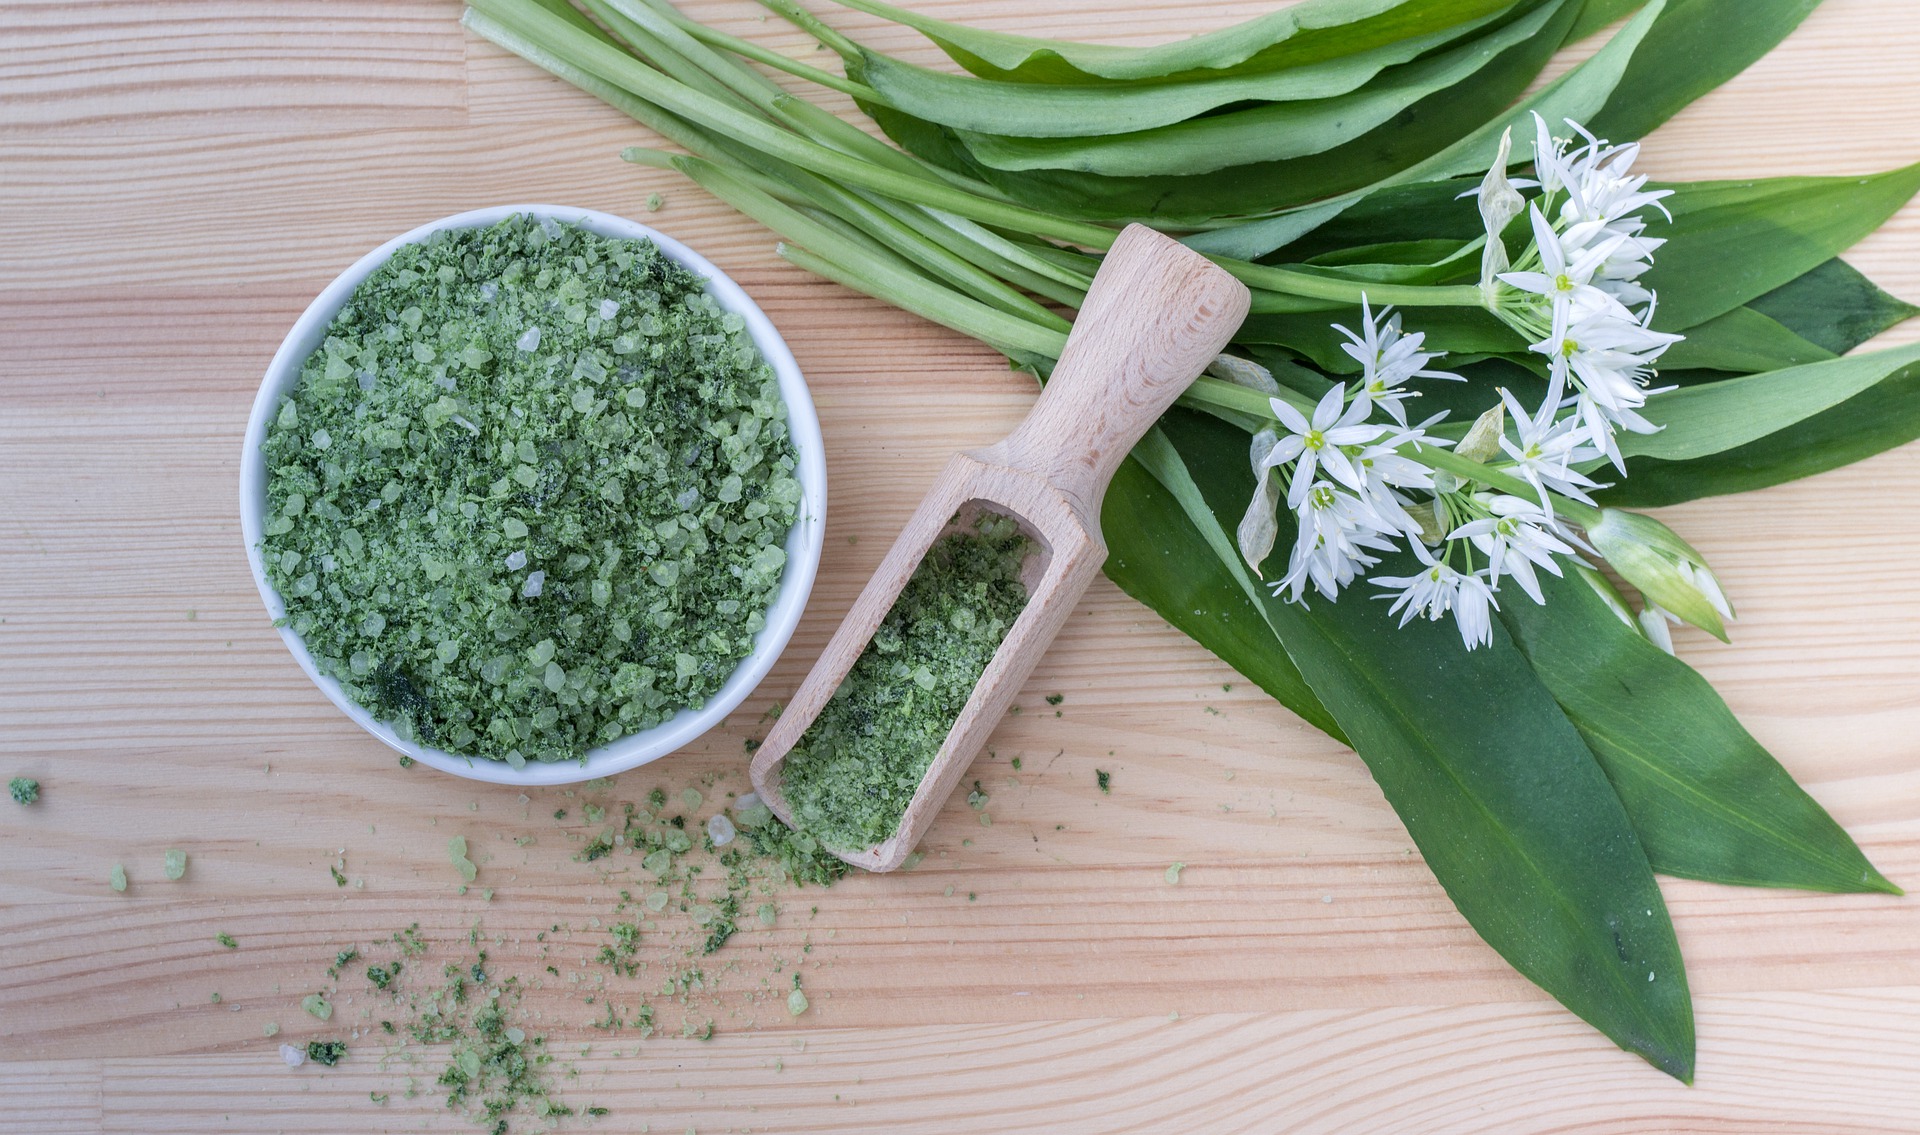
[[803, 543]]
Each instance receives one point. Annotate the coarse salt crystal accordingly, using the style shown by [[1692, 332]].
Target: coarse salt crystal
[[294, 1057], [529, 340], [536, 582], [517, 560], [720, 829], [609, 308]]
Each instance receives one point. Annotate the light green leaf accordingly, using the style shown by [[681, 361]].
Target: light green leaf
[[1290, 37], [1274, 131], [1707, 801], [1716, 416], [1046, 110]]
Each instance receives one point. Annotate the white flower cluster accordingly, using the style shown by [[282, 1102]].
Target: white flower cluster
[[1356, 494], [1575, 292], [1353, 472]]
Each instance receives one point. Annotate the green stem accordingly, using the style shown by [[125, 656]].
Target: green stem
[[750, 50]]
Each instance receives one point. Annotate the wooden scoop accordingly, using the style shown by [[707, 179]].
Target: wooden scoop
[[1156, 315]]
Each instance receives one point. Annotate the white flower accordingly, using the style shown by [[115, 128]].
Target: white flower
[[1565, 279], [1609, 355], [1385, 472], [1388, 359], [1438, 589], [1337, 531], [1516, 536], [1317, 443], [1548, 448]]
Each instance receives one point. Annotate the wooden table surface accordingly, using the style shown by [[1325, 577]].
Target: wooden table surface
[[178, 179]]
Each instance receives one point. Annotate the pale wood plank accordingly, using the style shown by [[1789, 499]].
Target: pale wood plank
[[154, 245]]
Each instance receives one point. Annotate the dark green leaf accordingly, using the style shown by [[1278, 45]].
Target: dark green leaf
[[1742, 341], [1833, 305], [1155, 555], [1732, 241], [1578, 95], [1494, 784], [1707, 801], [1697, 45], [1599, 13], [1290, 37]]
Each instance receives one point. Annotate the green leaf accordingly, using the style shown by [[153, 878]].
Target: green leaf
[[1698, 45], [1716, 416], [1258, 187], [1732, 241], [1578, 95], [1707, 801], [1494, 784], [1882, 417], [1155, 555], [1599, 13], [1273, 131], [1833, 305], [1294, 36], [1743, 341], [1839, 309], [1046, 110]]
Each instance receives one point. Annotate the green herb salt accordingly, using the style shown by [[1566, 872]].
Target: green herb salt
[[854, 771], [531, 493], [24, 790]]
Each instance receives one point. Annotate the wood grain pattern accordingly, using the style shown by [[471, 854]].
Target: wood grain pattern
[[177, 180]]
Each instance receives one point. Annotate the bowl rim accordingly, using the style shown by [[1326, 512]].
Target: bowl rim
[[804, 540]]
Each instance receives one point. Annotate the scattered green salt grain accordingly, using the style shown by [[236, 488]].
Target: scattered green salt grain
[[317, 1006], [691, 798], [226, 940], [1173, 873], [327, 1052], [457, 852], [24, 790], [272, 1028], [796, 1000], [654, 201], [175, 863], [532, 492], [117, 878], [852, 774]]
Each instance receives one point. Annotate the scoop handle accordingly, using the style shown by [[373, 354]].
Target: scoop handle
[[1156, 315]]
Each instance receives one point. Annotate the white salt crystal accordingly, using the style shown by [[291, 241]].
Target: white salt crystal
[[294, 1057], [720, 829], [609, 308], [536, 582], [517, 560], [529, 340]]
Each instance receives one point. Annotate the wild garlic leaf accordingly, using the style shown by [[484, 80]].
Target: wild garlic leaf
[[1274, 131], [1294, 36], [1036, 110], [1707, 800]]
